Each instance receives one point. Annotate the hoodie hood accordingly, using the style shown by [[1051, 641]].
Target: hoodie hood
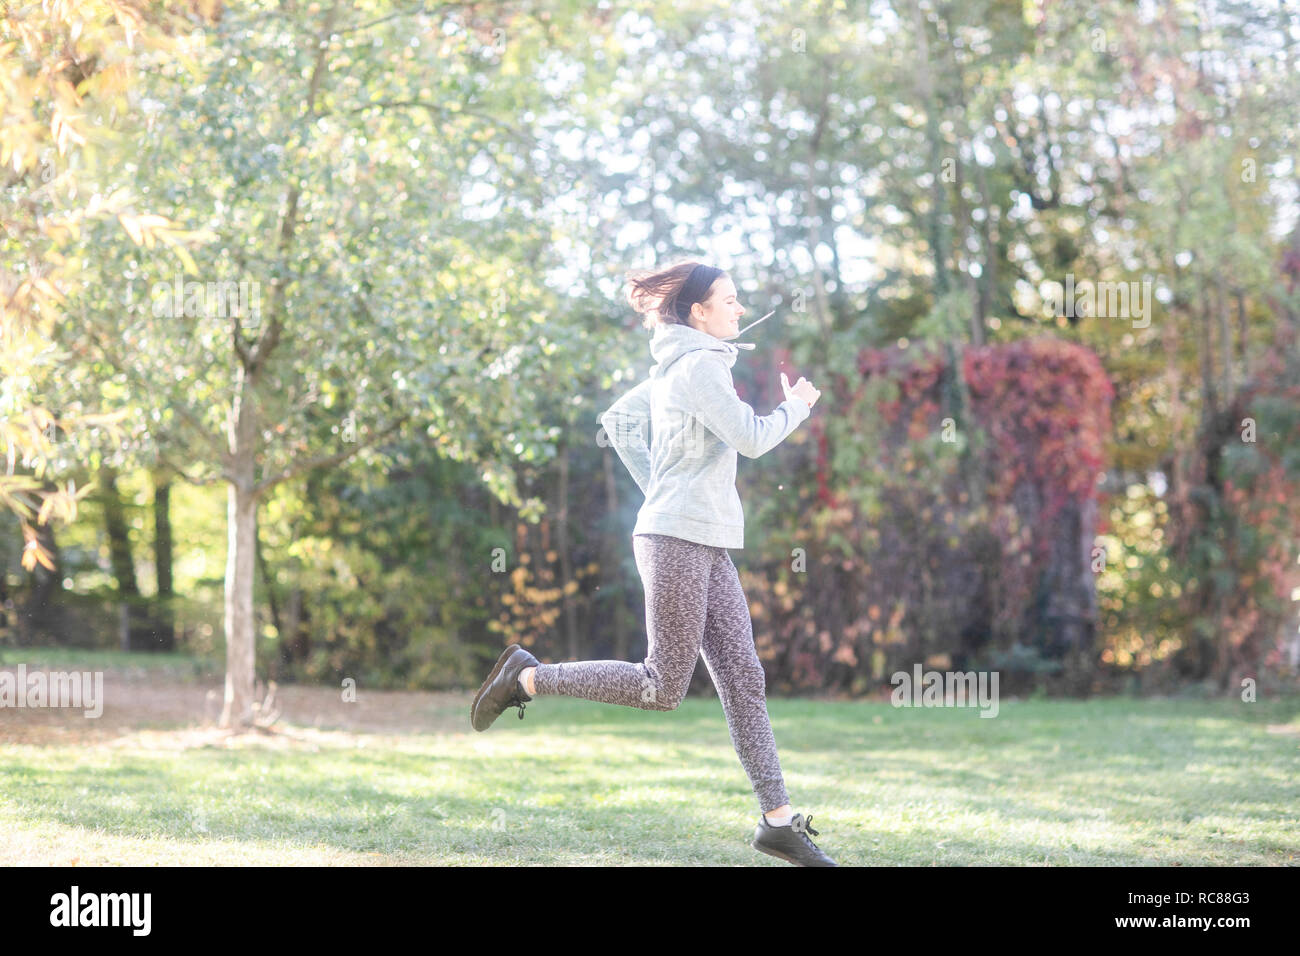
[[670, 342]]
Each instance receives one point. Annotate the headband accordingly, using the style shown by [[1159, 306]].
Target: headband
[[695, 289]]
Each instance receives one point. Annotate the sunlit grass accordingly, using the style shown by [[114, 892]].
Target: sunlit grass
[[1110, 782]]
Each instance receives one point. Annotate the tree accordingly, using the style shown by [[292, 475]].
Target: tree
[[375, 260], [67, 70]]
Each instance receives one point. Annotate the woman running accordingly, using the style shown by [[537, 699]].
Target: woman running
[[691, 516]]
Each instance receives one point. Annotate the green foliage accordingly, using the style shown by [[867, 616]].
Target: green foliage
[[438, 218], [932, 547]]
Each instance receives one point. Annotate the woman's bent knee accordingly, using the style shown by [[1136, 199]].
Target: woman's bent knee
[[661, 698]]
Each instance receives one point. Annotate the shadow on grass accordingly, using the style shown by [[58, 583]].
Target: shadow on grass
[[584, 782]]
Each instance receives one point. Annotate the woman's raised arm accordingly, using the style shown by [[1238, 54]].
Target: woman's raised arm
[[720, 409]]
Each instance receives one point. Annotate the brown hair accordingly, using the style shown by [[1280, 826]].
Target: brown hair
[[666, 295]]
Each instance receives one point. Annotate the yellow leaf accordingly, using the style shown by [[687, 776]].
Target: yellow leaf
[[49, 289], [132, 228], [187, 260]]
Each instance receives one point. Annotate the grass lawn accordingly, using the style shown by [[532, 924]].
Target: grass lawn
[[400, 778]]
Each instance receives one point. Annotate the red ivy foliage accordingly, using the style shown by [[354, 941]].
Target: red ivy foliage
[[781, 362], [1044, 402], [1046, 405]]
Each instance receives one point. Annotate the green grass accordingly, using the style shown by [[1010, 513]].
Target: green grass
[[173, 665], [1110, 782]]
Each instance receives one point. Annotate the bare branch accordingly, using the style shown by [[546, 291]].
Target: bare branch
[[238, 340], [128, 369], [171, 465], [401, 13], [267, 483], [288, 222], [445, 111]]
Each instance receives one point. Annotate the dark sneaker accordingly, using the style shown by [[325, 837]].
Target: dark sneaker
[[790, 843], [501, 690]]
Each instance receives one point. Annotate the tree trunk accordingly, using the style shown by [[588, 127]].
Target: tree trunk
[[42, 616], [966, 231], [1205, 341], [269, 585], [566, 561], [988, 277], [6, 619], [241, 517], [241, 546], [1178, 492], [164, 616], [925, 89], [1243, 334], [293, 645], [1225, 337], [1071, 612], [136, 633], [611, 566], [119, 541]]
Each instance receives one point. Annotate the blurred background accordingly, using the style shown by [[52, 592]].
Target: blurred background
[[309, 311]]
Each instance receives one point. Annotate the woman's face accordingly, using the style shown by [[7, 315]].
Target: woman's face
[[719, 315]]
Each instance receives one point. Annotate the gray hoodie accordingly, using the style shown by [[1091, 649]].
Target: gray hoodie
[[697, 425]]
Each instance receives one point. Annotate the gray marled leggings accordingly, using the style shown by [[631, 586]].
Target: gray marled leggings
[[694, 603]]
